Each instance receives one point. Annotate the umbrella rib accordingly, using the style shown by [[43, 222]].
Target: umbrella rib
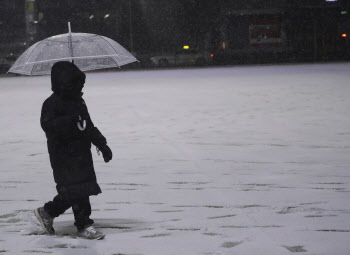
[[65, 58], [99, 46], [112, 48], [102, 50], [37, 56], [27, 63], [32, 52], [31, 71]]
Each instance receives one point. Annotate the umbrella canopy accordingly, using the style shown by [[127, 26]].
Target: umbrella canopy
[[87, 51]]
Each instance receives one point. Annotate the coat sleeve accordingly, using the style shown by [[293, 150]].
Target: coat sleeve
[[51, 123], [92, 132]]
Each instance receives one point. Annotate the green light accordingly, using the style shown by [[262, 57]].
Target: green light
[[344, 12]]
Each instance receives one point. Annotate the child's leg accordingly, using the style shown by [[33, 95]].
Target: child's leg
[[82, 212], [57, 207]]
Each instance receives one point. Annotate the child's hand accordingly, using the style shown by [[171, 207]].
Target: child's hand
[[106, 153]]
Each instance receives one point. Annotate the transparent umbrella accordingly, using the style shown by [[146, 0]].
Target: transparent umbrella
[[87, 51]]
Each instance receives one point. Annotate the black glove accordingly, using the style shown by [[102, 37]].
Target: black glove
[[106, 153]]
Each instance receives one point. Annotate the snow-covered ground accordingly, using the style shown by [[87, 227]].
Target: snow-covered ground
[[238, 160]]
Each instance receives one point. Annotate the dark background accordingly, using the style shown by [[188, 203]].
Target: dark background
[[235, 32]]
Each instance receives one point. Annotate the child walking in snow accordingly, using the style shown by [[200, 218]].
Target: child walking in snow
[[70, 133]]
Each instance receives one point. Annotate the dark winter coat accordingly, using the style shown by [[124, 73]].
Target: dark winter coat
[[70, 147]]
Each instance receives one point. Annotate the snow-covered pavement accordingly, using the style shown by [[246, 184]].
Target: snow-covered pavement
[[237, 160]]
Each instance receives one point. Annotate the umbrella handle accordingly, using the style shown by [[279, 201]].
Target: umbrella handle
[[70, 42]]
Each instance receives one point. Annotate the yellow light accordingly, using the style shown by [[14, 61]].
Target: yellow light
[[343, 35], [186, 47]]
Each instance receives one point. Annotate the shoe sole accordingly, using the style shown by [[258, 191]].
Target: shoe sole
[[36, 212], [99, 238]]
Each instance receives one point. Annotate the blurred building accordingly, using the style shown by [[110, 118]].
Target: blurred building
[[314, 28], [249, 31], [284, 30], [253, 31]]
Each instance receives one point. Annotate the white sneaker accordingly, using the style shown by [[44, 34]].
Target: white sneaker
[[46, 221], [90, 233]]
